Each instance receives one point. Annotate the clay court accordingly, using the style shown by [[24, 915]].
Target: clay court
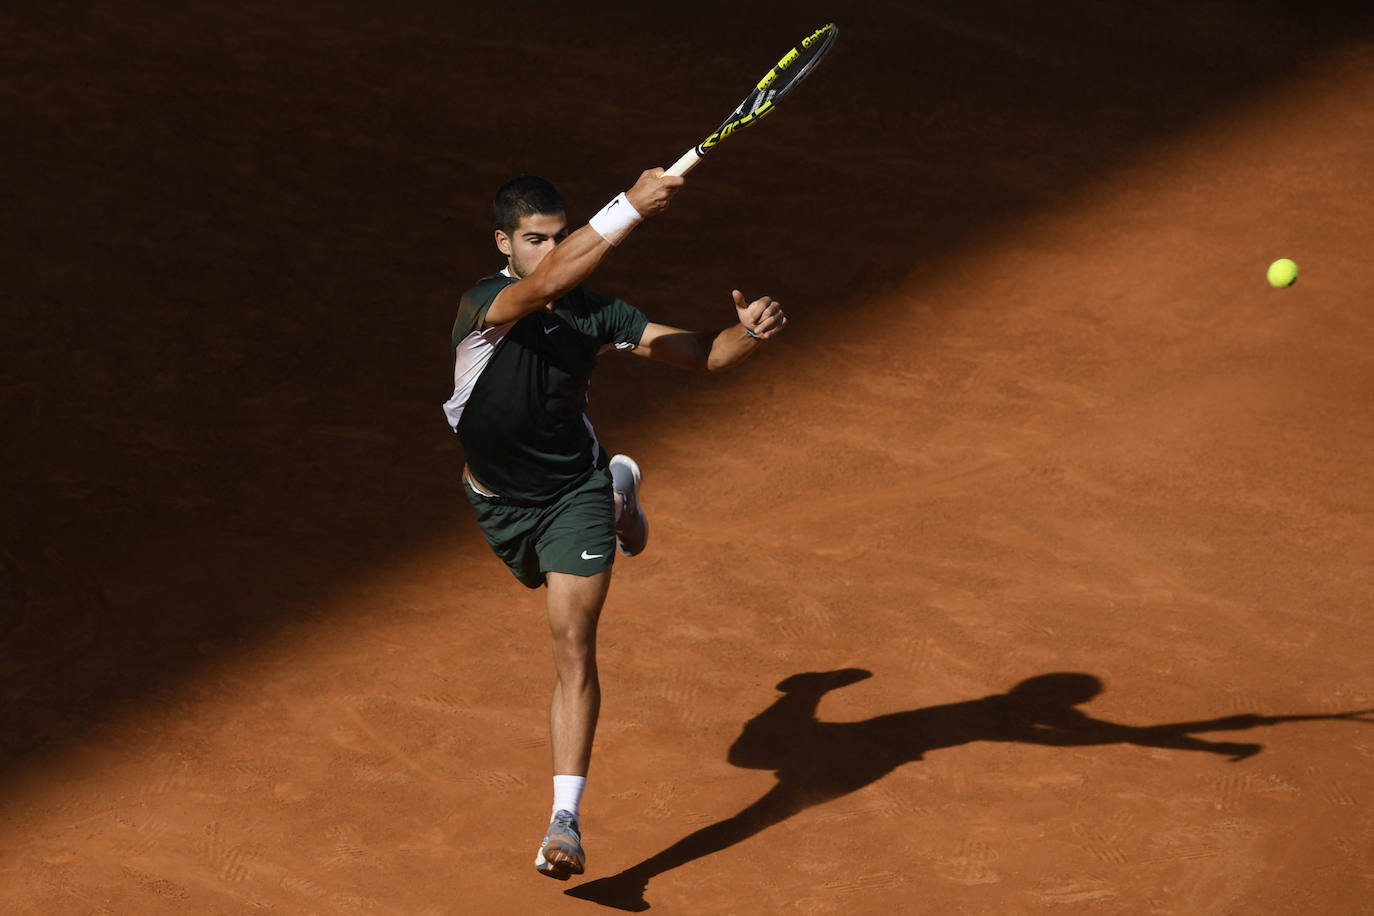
[[1028, 572]]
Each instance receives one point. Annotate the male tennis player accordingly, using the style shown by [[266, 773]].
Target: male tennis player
[[552, 504]]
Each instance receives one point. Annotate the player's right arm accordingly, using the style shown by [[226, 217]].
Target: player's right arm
[[575, 258]]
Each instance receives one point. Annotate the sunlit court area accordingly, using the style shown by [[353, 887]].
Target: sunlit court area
[[1030, 571]]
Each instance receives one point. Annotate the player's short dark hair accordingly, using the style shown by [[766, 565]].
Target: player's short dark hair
[[524, 195]]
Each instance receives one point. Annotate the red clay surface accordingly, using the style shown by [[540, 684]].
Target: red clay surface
[[1037, 420]]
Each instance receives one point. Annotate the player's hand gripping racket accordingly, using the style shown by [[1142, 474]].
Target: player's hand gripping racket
[[794, 67]]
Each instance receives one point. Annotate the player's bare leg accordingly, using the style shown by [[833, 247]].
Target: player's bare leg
[[574, 607]]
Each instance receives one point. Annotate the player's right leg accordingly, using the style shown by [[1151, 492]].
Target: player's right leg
[[574, 607]]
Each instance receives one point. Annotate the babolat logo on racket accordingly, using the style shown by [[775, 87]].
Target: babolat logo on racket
[[811, 39]]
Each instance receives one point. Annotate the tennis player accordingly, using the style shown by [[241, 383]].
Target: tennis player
[[554, 506]]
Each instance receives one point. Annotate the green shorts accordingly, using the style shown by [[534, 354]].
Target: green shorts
[[575, 534]]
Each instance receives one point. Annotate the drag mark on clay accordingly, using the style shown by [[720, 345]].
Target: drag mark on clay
[[880, 880], [1077, 892], [390, 748]]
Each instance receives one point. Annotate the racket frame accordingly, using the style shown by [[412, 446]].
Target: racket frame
[[763, 98]]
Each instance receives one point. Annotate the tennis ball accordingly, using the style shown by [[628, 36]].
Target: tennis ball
[[1283, 272]]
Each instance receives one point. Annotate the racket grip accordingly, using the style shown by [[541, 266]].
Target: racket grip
[[685, 164]]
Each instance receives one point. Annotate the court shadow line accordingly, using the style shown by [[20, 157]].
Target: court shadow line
[[816, 761]]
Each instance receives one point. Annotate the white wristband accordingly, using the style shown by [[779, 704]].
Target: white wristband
[[616, 219]]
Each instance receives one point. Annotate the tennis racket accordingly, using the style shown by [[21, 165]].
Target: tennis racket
[[785, 76]]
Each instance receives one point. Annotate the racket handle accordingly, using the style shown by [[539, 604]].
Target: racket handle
[[685, 164]]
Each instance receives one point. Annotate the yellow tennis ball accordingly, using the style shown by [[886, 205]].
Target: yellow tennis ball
[[1283, 272]]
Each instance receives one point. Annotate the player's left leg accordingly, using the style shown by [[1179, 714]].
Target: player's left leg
[[631, 527]]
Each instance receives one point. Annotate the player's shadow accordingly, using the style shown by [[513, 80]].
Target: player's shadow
[[820, 761]]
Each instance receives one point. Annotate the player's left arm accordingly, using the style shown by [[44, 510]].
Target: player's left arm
[[707, 351]]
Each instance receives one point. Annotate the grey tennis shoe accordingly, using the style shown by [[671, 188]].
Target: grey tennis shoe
[[560, 855], [632, 528]]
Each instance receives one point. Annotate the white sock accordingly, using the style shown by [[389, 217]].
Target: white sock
[[567, 794]]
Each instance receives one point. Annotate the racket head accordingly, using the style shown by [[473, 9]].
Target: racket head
[[784, 76]]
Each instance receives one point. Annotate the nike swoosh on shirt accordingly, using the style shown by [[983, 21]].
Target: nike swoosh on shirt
[[551, 330], [592, 556]]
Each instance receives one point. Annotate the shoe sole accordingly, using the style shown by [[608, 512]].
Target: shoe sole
[[630, 463], [561, 867]]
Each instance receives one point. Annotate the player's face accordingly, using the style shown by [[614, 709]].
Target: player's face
[[532, 240]]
